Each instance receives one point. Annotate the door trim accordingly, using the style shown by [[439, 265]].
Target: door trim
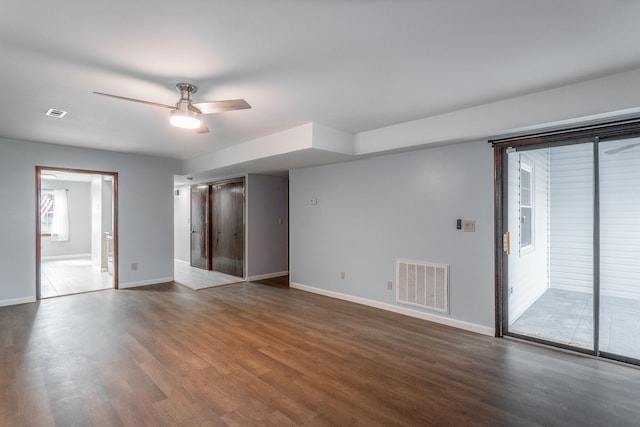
[[499, 214], [39, 170]]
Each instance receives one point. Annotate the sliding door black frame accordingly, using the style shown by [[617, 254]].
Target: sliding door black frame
[[594, 134]]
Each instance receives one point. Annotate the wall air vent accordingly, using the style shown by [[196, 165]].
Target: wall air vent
[[423, 284], [52, 112]]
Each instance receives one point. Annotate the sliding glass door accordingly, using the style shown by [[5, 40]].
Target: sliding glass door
[[550, 228], [569, 257], [620, 248]]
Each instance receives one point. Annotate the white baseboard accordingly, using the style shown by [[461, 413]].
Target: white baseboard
[[145, 283], [472, 327], [16, 301], [267, 276], [182, 261], [52, 257]]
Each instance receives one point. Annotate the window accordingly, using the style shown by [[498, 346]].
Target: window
[[47, 204], [526, 205]]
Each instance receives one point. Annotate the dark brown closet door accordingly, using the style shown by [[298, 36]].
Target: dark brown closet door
[[227, 208], [199, 222]]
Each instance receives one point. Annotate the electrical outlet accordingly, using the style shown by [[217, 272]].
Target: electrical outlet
[[389, 286], [342, 275], [511, 290], [134, 266]]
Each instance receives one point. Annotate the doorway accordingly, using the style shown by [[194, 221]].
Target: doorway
[[217, 227], [76, 231], [568, 217]]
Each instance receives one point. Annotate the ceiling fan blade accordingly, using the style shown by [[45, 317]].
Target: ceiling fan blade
[[203, 128], [155, 104], [222, 106]]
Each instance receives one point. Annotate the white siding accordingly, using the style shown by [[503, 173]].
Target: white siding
[[571, 223], [528, 269], [620, 220]]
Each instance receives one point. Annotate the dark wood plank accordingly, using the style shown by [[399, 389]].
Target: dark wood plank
[[264, 354]]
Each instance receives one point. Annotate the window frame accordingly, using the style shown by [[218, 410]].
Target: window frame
[[527, 166], [46, 231]]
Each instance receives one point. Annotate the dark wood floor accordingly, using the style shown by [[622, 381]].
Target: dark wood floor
[[251, 354]]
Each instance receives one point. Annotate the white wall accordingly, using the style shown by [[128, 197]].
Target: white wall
[[369, 213], [107, 218], [145, 212], [101, 219], [79, 207], [267, 226], [96, 221], [182, 223]]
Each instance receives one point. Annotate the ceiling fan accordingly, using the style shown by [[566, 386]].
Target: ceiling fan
[[187, 114]]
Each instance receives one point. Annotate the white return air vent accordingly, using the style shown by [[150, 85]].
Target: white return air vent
[[423, 284], [52, 112]]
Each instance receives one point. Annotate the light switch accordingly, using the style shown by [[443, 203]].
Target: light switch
[[468, 226]]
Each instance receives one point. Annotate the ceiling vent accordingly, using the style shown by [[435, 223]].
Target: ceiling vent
[[55, 113]]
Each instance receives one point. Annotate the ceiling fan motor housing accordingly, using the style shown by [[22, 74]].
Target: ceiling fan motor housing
[[186, 90], [185, 115]]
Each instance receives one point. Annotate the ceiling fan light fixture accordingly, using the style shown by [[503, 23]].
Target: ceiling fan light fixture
[[186, 114], [185, 118]]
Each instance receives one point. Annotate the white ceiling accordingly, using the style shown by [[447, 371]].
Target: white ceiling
[[351, 65]]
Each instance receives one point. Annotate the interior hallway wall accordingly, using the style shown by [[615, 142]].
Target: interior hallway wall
[[267, 226], [182, 223]]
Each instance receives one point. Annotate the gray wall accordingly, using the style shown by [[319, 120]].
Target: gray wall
[[145, 212], [267, 226], [79, 206], [369, 213]]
